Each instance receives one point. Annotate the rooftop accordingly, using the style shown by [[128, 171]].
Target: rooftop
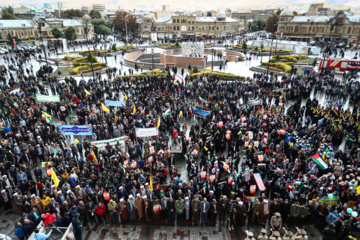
[[8, 24]]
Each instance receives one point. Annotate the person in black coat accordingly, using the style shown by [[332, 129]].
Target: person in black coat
[[171, 210], [67, 219], [29, 227], [77, 227]]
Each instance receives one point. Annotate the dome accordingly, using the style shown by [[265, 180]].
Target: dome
[[286, 13], [221, 15]]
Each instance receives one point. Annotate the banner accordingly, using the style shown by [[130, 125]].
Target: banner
[[101, 144], [200, 113], [254, 102], [14, 92], [45, 98], [147, 132], [75, 130], [115, 103]]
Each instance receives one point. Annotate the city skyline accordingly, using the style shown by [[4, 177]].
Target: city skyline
[[195, 5]]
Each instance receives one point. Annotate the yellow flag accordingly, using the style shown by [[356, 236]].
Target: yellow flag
[[134, 110], [158, 123], [125, 96], [47, 115], [76, 141], [104, 108], [175, 83], [54, 178], [180, 113], [87, 92], [151, 185], [95, 160]]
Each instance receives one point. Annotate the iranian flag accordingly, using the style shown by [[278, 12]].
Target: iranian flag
[[168, 112], [46, 118], [204, 188], [186, 157], [179, 78], [317, 159], [241, 101], [202, 100], [190, 111], [186, 165], [127, 155]]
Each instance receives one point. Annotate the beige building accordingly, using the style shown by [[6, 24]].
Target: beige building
[[320, 9], [342, 26], [176, 25], [28, 29]]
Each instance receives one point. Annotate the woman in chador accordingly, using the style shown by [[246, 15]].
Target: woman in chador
[[122, 210]]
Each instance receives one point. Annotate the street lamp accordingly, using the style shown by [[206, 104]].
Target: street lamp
[[261, 48], [152, 56], [212, 61], [126, 32], [41, 22], [92, 69]]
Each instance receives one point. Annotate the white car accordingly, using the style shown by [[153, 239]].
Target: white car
[[3, 51]]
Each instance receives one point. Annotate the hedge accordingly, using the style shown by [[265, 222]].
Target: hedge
[[220, 75], [128, 47], [79, 61], [96, 66], [90, 69], [283, 66], [95, 51]]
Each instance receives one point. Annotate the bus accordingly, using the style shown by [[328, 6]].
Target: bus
[[340, 65]]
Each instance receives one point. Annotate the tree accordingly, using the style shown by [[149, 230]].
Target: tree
[[209, 14], [113, 48], [57, 33], [295, 13], [257, 25], [272, 23], [7, 16], [91, 58], [104, 31], [244, 46], [119, 22], [8, 9], [96, 23], [71, 13], [10, 39], [70, 33], [94, 14]]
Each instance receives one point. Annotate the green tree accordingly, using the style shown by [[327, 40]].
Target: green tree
[[209, 14], [10, 39], [57, 33], [8, 9], [257, 25], [113, 48], [104, 31], [71, 13], [70, 33], [7, 16], [96, 23], [244, 46], [94, 14], [272, 23], [91, 58], [295, 13]]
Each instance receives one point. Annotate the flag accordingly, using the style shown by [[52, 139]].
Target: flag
[[76, 141], [180, 113], [127, 155], [134, 110], [47, 119], [158, 123], [104, 108], [204, 188], [95, 159], [54, 178], [87, 92], [190, 111], [168, 112], [241, 101], [175, 83], [47, 115], [202, 100], [63, 145], [125, 96], [186, 165], [186, 157], [179, 78], [319, 161], [151, 184]]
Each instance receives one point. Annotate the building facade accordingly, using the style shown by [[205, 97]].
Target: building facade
[[189, 25], [341, 27], [27, 30]]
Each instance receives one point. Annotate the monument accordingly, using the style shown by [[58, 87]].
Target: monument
[[192, 49]]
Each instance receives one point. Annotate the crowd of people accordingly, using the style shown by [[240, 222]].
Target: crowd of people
[[249, 162]]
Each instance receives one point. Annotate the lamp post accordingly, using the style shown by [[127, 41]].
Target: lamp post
[[86, 19], [212, 61], [126, 32], [327, 46], [152, 56], [261, 48], [41, 22], [92, 69]]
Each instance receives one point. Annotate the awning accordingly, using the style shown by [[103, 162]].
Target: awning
[[354, 37], [346, 36], [319, 36]]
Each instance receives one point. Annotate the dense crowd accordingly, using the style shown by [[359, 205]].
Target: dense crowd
[[256, 132]]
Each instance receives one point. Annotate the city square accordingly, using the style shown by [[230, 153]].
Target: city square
[[165, 123]]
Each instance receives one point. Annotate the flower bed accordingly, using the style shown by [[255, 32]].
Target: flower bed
[[280, 65], [127, 47], [95, 51], [90, 69], [220, 75]]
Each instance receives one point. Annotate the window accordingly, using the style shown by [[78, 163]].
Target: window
[[178, 28], [145, 28], [177, 20], [296, 28], [349, 30], [193, 28], [174, 20]]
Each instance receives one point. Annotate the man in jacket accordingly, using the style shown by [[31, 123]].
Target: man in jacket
[[204, 210], [171, 210], [179, 206], [100, 212], [195, 206], [77, 227], [29, 227], [276, 222], [223, 207], [112, 207]]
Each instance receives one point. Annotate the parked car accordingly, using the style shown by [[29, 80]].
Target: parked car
[[341, 45], [3, 51]]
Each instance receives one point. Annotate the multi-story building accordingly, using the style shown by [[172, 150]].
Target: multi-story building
[[342, 26], [177, 25], [29, 29], [99, 7]]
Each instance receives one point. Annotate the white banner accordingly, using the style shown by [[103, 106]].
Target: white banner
[[103, 143], [147, 132], [13, 92]]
